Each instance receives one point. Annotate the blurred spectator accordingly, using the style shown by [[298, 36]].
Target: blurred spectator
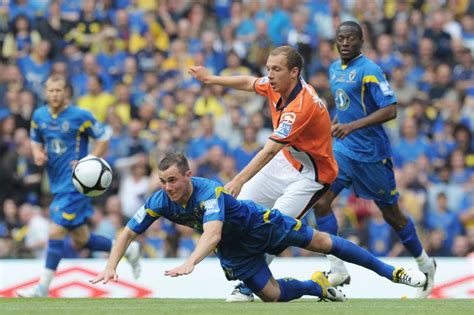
[[111, 58], [133, 189], [20, 41], [198, 147], [96, 100], [411, 144], [34, 233], [35, 67], [277, 21], [443, 219], [53, 28], [86, 33], [244, 153]]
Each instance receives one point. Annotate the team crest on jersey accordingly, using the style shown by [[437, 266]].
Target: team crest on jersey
[[65, 126], [284, 129], [342, 100], [263, 80], [288, 118], [43, 126], [352, 75]]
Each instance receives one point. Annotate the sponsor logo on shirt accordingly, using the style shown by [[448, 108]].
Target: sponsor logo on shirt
[[211, 206], [140, 215], [288, 118], [284, 129], [386, 89], [342, 100]]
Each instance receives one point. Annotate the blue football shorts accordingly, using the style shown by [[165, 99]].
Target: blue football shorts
[[373, 181], [272, 232], [70, 210]]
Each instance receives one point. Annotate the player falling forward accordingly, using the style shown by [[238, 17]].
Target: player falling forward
[[59, 138], [364, 100], [296, 165], [241, 232]]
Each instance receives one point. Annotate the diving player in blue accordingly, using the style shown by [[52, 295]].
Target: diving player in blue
[[241, 232], [364, 100], [59, 138]]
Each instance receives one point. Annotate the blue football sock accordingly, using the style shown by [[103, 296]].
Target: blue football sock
[[54, 253], [327, 224], [410, 239], [350, 252], [293, 289], [99, 243]]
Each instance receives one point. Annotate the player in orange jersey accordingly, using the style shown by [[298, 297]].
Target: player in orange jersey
[[296, 165]]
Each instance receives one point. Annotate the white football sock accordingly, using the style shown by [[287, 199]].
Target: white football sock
[[337, 265], [46, 277]]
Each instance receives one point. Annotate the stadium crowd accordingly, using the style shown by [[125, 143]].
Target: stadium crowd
[[127, 62]]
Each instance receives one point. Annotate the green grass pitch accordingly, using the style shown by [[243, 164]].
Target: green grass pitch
[[208, 307]]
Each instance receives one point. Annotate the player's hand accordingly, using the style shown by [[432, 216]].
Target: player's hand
[[105, 276], [233, 187], [40, 157], [341, 130], [184, 269], [200, 73]]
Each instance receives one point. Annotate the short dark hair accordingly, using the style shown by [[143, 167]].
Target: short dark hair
[[293, 57], [177, 159], [354, 25]]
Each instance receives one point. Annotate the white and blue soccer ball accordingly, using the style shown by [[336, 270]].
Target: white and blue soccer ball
[[92, 176]]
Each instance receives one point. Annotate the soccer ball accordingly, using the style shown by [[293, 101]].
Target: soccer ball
[[92, 176]]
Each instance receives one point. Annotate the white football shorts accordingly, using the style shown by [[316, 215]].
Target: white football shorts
[[278, 185]]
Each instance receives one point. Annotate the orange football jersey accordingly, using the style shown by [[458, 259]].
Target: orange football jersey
[[304, 126]]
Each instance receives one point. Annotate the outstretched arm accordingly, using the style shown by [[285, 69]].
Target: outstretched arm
[[378, 117], [206, 244], [118, 250], [264, 156], [239, 82]]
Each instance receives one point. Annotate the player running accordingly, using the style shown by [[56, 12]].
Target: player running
[[241, 232], [296, 165], [59, 137], [364, 100]]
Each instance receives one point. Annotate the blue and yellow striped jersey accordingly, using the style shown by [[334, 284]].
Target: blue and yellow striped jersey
[[65, 138], [359, 89]]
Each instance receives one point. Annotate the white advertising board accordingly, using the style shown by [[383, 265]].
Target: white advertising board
[[454, 278]]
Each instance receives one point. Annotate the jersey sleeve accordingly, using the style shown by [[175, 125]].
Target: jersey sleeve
[[93, 128], [35, 132], [379, 88], [214, 205], [262, 86], [146, 215]]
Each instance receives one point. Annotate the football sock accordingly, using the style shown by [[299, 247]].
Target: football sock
[[350, 252], [327, 223], [293, 289], [410, 239], [99, 243], [54, 254], [46, 277]]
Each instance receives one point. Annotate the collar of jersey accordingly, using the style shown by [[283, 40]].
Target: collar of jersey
[[57, 115], [344, 67], [292, 96]]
